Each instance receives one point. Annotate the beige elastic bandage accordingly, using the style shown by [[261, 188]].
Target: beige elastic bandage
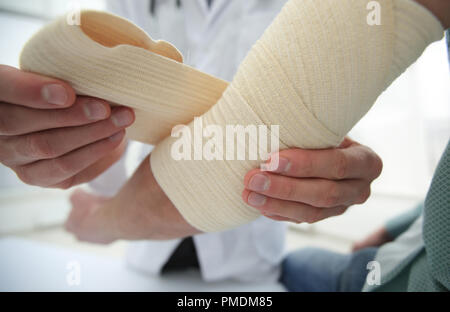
[[315, 72]]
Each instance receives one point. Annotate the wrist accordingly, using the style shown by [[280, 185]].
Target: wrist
[[168, 221], [143, 211]]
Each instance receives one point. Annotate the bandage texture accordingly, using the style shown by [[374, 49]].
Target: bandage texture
[[110, 58]]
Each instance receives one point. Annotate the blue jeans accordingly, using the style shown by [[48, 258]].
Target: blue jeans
[[313, 269]]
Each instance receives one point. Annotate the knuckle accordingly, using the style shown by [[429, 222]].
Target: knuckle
[[39, 147], [61, 167], [332, 195], [341, 166], [364, 196], [373, 162], [289, 191], [377, 165]]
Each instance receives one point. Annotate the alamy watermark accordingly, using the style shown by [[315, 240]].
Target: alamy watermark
[[374, 276], [374, 16], [73, 17], [73, 276], [230, 142]]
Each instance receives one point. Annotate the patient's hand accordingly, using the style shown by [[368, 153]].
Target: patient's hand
[[379, 237], [86, 218], [311, 185], [140, 210]]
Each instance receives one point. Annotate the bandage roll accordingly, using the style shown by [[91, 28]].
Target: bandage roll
[[315, 72], [108, 57]]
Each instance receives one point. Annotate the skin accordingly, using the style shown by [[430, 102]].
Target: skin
[[52, 138], [140, 210], [376, 239], [311, 185]]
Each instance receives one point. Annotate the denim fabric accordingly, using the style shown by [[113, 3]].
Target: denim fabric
[[319, 270]]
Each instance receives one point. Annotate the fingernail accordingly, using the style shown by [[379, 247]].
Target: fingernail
[[54, 94], [122, 118], [95, 110], [117, 137], [256, 199], [283, 165], [259, 183]]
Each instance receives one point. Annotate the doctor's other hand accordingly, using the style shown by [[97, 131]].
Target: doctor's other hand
[[52, 138], [312, 185]]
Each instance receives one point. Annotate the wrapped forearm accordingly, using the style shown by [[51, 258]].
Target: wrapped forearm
[[315, 72]]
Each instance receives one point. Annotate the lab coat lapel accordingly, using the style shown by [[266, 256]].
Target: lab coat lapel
[[211, 13]]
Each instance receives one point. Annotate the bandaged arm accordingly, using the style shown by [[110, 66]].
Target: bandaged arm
[[315, 72]]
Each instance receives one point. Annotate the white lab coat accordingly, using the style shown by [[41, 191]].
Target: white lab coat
[[214, 40]]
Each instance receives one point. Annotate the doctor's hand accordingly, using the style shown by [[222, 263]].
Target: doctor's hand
[[312, 185], [52, 138]]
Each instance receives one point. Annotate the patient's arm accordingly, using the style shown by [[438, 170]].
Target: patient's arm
[[141, 210]]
